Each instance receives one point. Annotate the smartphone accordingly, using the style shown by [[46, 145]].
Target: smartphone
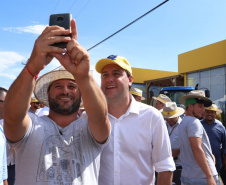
[[62, 20]]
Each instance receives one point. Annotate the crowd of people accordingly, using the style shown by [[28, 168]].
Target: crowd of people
[[116, 140], [198, 138]]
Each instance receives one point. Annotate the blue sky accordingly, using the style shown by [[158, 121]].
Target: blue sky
[[154, 42]]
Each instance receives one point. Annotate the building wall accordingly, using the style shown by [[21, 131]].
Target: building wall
[[141, 75], [213, 79], [205, 66], [205, 57]]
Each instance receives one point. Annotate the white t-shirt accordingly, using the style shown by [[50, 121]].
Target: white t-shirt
[[1, 122], [52, 155], [139, 145], [43, 112]]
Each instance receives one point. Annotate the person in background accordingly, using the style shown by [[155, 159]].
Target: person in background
[[58, 148], [171, 113], [139, 142], [137, 94], [44, 111], [81, 109], [160, 101], [219, 117], [3, 159], [34, 106], [217, 135], [9, 149], [3, 93], [195, 150]]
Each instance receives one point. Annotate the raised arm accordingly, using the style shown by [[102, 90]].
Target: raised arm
[[77, 62], [16, 120]]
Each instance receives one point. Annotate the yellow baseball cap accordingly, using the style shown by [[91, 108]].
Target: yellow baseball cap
[[33, 100], [113, 59]]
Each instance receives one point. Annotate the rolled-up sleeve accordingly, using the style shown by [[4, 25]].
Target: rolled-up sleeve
[[165, 165], [162, 154]]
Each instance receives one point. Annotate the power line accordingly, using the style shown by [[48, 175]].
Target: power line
[[82, 8], [124, 27], [127, 25], [56, 6], [72, 5]]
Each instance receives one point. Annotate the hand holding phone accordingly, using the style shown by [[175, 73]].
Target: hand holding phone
[[62, 20]]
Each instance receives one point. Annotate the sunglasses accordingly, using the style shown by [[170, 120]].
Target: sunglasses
[[2, 101], [37, 103]]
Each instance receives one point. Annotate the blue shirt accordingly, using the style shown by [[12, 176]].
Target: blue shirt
[[217, 136], [3, 157]]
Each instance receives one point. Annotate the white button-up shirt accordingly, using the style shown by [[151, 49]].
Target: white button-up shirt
[[139, 146]]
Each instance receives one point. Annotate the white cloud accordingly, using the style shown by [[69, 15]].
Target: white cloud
[[8, 61], [7, 75], [10, 58], [34, 29]]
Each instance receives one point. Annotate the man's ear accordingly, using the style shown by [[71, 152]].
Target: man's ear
[[130, 80]]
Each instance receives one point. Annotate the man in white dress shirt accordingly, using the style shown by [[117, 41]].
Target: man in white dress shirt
[[139, 143]]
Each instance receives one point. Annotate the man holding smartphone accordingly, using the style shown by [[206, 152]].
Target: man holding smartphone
[[58, 148]]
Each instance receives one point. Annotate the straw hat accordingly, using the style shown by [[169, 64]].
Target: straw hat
[[214, 107], [162, 98], [113, 59], [170, 110], [46, 80], [199, 96], [34, 100], [137, 92]]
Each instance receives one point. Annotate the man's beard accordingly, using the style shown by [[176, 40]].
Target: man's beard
[[57, 108], [209, 119], [37, 107], [195, 115]]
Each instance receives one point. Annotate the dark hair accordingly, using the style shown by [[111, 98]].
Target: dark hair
[[128, 74], [2, 90], [135, 96]]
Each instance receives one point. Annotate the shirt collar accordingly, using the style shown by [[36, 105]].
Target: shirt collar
[[132, 109], [134, 106], [214, 122], [168, 125]]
